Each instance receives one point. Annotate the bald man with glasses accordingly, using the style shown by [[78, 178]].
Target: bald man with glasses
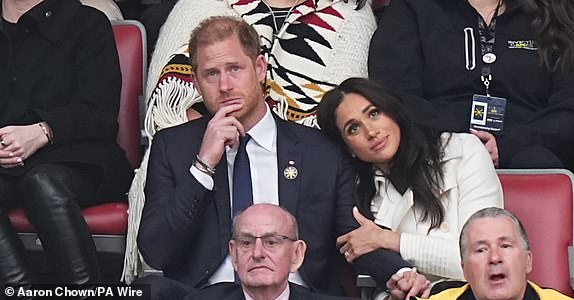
[[264, 248]]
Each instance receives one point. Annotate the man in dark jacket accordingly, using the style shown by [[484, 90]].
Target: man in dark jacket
[[264, 247], [191, 184]]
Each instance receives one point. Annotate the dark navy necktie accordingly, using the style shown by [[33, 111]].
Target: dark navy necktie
[[242, 190]]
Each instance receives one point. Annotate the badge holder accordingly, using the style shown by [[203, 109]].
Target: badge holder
[[487, 112]]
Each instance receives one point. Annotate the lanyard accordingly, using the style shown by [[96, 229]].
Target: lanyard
[[487, 39]]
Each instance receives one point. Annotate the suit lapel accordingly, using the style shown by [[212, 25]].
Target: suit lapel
[[289, 166]]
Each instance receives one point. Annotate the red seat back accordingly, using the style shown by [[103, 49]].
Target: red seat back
[[130, 41], [542, 200]]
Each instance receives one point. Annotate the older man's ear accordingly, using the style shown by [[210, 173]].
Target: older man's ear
[[233, 254], [299, 248]]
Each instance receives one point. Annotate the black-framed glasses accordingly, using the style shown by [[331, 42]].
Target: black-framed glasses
[[270, 242]]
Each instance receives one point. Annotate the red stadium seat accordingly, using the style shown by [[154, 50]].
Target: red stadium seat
[[542, 200], [108, 222]]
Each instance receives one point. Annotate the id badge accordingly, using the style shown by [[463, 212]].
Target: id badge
[[487, 113]]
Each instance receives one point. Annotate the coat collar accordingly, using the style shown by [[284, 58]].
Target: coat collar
[[50, 17], [391, 206], [452, 148]]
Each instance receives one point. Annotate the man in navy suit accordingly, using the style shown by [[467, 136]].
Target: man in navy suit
[[186, 221]]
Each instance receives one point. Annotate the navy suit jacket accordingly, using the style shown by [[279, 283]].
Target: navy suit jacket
[[231, 291], [185, 228]]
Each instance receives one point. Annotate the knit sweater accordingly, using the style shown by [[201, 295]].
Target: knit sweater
[[320, 44]]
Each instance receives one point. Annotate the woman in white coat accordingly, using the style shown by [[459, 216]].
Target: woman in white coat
[[415, 187]]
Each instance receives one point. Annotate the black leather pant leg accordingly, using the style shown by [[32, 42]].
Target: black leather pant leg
[[50, 195], [13, 269]]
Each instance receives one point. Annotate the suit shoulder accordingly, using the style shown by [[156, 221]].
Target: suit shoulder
[[297, 292], [223, 290], [184, 129], [310, 134]]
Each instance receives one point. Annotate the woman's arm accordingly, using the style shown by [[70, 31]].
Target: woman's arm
[[368, 237], [478, 187]]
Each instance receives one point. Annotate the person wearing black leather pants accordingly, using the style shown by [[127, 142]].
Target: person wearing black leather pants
[[53, 206], [60, 85]]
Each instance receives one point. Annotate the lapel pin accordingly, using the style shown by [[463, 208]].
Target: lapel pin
[[290, 172]]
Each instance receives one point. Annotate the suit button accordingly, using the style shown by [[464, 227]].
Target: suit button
[[48, 14], [188, 215]]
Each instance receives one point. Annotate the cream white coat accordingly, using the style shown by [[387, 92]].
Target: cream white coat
[[470, 184]]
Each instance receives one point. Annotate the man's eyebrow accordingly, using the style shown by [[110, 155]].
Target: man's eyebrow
[[499, 239], [243, 233], [205, 70], [480, 242]]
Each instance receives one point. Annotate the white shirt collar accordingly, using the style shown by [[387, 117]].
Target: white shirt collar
[[264, 132]]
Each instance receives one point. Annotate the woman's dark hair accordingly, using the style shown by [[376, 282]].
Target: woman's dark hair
[[416, 165], [553, 23]]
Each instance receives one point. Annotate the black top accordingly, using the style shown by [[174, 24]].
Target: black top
[[419, 48], [59, 64]]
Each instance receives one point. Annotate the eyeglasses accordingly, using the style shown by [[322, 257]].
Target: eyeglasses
[[247, 242]]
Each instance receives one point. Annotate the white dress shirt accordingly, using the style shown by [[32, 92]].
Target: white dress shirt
[[262, 152]]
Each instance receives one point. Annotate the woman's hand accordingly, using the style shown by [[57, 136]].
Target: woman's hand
[[368, 237], [17, 143], [489, 142]]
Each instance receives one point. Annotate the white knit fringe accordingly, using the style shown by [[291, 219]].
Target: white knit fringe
[[166, 108], [168, 104], [281, 108], [136, 198]]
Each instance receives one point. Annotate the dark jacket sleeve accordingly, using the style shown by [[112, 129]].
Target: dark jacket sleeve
[[380, 264], [174, 203]]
